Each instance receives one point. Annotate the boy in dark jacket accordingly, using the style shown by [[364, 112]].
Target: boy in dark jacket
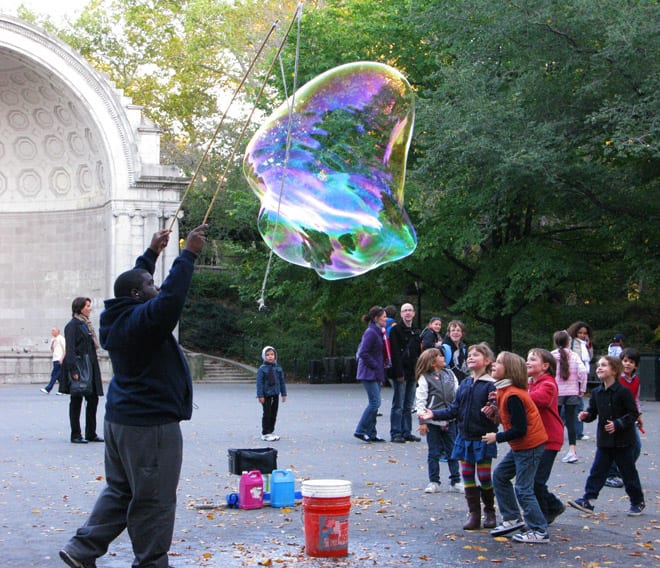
[[270, 385], [615, 408]]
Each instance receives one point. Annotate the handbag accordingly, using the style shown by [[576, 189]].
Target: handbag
[[83, 386]]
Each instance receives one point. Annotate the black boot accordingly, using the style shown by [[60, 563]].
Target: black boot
[[474, 509], [488, 498]]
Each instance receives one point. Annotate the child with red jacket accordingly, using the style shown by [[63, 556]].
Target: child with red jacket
[[541, 368]]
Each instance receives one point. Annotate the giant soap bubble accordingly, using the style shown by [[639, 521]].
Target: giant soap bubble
[[337, 205]]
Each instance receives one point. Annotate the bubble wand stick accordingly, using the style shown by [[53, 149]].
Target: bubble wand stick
[[222, 120], [254, 108]]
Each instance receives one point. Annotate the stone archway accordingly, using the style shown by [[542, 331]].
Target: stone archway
[[81, 185]]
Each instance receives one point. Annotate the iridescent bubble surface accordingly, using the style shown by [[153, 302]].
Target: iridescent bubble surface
[[337, 206]]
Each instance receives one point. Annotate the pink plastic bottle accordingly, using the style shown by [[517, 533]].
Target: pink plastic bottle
[[251, 490]]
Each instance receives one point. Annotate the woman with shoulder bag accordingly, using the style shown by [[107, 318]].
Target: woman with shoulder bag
[[81, 372]]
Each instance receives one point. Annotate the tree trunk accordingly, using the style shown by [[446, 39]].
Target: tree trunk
[[329, 331], [503, 333]]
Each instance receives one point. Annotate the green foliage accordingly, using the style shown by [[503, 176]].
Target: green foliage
[[533, 174]]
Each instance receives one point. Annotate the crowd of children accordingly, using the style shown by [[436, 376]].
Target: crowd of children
[[468, 401]]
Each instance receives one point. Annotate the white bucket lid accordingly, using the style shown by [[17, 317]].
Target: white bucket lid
[[326, 488]]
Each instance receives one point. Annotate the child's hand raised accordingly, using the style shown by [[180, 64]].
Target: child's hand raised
[[425, 414]]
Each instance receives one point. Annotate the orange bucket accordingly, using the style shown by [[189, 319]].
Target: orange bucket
[[326, 508]]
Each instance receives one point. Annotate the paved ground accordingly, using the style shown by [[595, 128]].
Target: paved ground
[[48, 486]]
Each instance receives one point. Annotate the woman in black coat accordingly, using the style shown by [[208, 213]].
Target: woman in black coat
[[81, 341]]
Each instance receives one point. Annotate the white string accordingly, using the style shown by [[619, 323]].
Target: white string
[[261, 302]]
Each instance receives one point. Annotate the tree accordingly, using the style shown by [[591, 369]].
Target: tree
[[533, 174], [518, 140]]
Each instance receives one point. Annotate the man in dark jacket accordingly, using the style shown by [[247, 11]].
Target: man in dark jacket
[[406, 347], [150, 393]]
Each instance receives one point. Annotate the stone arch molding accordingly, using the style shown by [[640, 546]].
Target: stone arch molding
[[64, 135], [81, 185]]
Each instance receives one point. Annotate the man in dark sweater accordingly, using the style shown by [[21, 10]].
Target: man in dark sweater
[[150, 393], [406, 347]]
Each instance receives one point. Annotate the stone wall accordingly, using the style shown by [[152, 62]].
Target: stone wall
[[82, 189]]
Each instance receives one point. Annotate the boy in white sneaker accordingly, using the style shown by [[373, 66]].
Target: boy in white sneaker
[[270, 385]]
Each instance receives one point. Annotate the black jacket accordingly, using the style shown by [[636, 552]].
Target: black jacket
[[406, 348], [471, 397], [151, 382], [614, 403], [79, 342]]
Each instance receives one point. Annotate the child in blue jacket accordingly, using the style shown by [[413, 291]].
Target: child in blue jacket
[[270, 385]]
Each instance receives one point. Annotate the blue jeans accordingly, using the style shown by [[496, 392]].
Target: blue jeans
[[442, 441], [548, 501], [367, 423], [55, 375], [403, 399], [579, 425], [623, 457], [637, 450], [521, 464]]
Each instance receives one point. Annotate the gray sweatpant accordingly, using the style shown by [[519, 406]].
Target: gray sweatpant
[[142, 468]]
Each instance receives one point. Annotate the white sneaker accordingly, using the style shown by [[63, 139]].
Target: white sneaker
[[585, 437], [532, 537], [569, 458], [44, 391], [274, 438], [265, 437], [507, 527], [433, 487], [457, 488]]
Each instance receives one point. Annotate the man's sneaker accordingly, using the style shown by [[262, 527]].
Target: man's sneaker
[[614, 482], [636, 510], [43, 390], [75, 562], [457, 488], [570, 457], [550, 517], [433, 487], [507, 527], [532, 537], [585, 437], [582, 504]]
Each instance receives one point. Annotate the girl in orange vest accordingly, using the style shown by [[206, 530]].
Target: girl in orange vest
[[524, 430]]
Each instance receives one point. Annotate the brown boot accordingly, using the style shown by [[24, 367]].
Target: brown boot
[[488, 497], [474, 509]]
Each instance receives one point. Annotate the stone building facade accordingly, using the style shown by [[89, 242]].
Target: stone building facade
[[82, 188]]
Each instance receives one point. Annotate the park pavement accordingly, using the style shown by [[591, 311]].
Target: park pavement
[[48, 487]]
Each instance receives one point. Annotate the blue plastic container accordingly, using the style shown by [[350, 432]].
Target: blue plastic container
[[282, 488]]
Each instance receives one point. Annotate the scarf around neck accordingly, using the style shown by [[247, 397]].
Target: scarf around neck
[[89, 325]]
